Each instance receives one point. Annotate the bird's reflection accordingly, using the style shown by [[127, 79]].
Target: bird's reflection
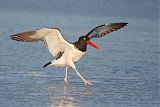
[[64, 100]]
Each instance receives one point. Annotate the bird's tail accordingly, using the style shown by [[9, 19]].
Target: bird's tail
[[47, 64]]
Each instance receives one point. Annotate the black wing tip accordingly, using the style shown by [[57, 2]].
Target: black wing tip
[[16, 38], [118, 24], [13, 37], [124, 23], [47, 64]]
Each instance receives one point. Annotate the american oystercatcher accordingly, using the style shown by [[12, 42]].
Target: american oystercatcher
[[66, 53]]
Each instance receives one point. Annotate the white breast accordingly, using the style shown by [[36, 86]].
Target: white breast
[[70, 54], [77, 55]]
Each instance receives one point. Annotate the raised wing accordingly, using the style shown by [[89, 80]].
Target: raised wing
[[51, 38], [105, 29]]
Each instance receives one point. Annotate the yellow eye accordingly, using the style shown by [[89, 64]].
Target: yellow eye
[[84, 38]]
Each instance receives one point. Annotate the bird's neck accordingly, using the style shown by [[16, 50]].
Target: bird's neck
[[82, 46]]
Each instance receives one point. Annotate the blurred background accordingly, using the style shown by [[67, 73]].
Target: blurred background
[[124, 74]]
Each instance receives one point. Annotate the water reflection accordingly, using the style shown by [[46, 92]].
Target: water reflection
[[64, 100]]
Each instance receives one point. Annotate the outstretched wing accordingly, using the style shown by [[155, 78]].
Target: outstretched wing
[[51, 38], [105, 29]]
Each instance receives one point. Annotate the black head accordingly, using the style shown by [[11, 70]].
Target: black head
[[81, 44], [83, 39]]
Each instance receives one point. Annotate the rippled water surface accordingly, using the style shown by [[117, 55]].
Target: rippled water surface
[[124, 73]]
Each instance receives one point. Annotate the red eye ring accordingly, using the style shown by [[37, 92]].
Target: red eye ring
[[84, 38]]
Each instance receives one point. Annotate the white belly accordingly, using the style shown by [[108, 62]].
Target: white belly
[[69, 55]]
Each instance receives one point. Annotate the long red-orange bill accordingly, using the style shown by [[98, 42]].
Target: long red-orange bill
[[93, 45]]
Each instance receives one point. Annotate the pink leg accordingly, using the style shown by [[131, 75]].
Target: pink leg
[[66, 76], [85, 81], [73, 66]]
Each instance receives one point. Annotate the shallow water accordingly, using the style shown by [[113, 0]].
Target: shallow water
[[124, 74]]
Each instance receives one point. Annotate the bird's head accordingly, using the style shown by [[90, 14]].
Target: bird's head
[[86, 40]]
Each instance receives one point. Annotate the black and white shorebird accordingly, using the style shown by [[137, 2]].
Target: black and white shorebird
[[66, 53]]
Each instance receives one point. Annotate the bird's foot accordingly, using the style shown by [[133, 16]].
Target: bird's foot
[[87, 82], [65, 80]]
